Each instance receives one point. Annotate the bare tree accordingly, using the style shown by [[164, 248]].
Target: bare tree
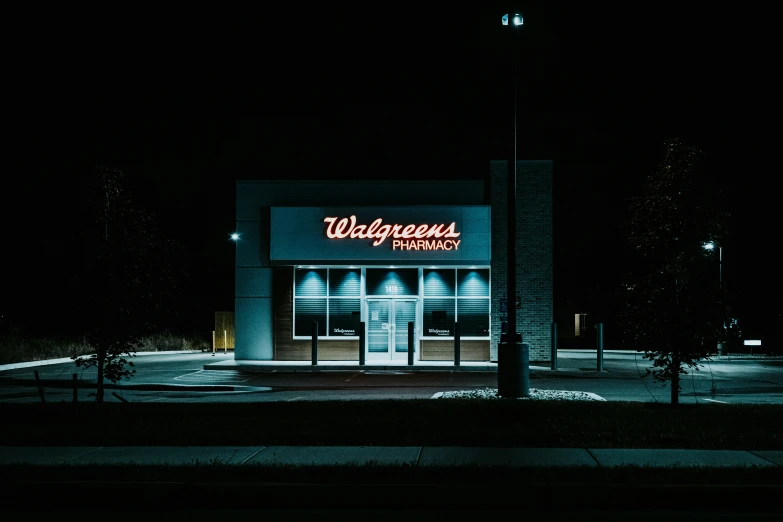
[[128, 275], [674, 307]]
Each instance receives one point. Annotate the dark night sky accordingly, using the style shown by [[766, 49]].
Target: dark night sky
[[187, 104]]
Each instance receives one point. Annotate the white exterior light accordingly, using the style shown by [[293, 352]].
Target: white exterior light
[[235, 236], [752, 342], [709, 245], [517, 19]]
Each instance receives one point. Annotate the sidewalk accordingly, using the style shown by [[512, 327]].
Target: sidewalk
[[389, 456]]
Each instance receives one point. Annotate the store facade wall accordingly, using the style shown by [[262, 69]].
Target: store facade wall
[[275, 245], [261, 289]]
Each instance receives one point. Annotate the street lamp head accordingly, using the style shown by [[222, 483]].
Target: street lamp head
[[516, 20], [709, 245], [235, 236]]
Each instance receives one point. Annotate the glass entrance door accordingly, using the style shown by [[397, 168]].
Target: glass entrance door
[[404, 311], [387, 328], [378, 328]]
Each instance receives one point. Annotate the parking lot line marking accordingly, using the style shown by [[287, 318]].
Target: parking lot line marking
[[713, 400], [295, 398], [354, 375]]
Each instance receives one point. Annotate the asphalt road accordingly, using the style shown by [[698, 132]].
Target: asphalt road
[[735, 381]]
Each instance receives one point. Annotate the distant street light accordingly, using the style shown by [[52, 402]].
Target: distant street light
[[235, 236], [710, 246]]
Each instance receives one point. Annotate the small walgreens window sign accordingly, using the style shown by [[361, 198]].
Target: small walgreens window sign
[[403, 237]]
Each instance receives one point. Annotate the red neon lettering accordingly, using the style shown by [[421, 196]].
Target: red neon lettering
[[346, 227], [408, 231], [420, 244], [373, 227], [382, 234], [358, 231]]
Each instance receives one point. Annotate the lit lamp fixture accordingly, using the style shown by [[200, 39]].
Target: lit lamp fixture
[[516, 20], [235, 237], [710, 246]]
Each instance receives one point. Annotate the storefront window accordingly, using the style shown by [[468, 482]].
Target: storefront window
[[473, 302], [344, 317], [473, 282], [344, 282], [466, 302], [332, 297], [473, 317], [329, 296], [438, 317]]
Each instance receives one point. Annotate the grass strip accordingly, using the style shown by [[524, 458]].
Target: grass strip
[[490, 423]]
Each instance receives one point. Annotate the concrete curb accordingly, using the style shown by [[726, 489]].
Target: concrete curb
[[45, 362], [83, 385], [327, 366], [418, 456], [344, 368]]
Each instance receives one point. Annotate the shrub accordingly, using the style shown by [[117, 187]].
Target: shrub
[[15, 348], [166, 341]]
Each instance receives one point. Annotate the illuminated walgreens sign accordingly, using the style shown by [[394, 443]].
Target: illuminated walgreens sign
[[408, 237]]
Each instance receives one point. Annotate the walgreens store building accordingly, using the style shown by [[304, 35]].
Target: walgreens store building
[[340, 253]]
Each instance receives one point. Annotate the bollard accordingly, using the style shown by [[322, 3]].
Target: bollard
[[40, 387], [410, 343], [553, 342], [362, 343], [213, 343], [600, 346], [75, 388], [456, 344], [225, 341], [315, 343]]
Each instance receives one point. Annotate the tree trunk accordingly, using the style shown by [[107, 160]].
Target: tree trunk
[[101, 362], [675, 378]]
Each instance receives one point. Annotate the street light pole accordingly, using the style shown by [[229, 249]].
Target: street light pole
[[511, 189], [710, 245], [512, 354]]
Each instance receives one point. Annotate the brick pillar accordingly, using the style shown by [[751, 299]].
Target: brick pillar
[[534, 253]]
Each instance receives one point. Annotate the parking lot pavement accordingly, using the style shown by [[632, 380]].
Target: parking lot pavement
[[182, 378]]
